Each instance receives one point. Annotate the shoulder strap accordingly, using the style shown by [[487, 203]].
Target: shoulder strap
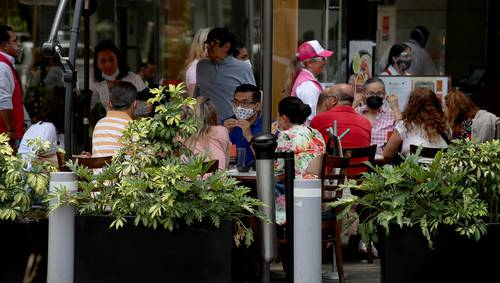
[[445, 138]]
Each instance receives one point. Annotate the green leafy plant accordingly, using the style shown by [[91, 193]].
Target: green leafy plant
[[21, 182], [158, 181], [458, 189]]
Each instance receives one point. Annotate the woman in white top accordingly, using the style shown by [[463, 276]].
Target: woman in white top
[[399, 60], [301, 74], [109, 68], [48, 129], [196, 52], [423, 123]]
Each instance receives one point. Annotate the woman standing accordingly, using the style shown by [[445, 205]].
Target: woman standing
[[109, 68], [467, 121], [399, 60], [210, 139], [301, 74], [196, 52], [423, 124]]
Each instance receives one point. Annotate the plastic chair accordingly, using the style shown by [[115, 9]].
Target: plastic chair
[[333, 174]]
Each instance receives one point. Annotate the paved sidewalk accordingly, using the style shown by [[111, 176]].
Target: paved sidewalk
[[357, 272]]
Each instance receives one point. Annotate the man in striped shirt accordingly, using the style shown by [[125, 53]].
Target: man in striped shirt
[[109, 130]]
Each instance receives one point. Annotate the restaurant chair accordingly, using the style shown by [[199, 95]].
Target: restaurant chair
[[332, 175], [358, 157], [92, 162], [426, 152], [213, 165]]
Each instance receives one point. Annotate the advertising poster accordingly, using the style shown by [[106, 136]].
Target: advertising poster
[[402, 86], [360, 67]]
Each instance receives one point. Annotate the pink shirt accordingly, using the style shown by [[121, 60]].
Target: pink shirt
[[215, 146]]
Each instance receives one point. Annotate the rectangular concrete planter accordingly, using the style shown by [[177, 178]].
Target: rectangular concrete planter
[[20, 239], [406, 257], [200, 253]]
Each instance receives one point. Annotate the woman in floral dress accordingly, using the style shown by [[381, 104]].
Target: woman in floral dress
[[305, 142]]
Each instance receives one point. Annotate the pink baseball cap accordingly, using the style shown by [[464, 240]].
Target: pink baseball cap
[[310, 49]]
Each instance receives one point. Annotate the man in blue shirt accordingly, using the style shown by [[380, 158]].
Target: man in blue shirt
[[221, 73], [247, 119]]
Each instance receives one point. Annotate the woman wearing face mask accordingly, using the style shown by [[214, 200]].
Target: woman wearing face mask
[[399, 60], [109, 68], [381, 115]]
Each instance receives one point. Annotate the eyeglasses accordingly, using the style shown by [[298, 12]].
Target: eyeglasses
[[246, 104], [318, 59], [212, 42], [379, 94]]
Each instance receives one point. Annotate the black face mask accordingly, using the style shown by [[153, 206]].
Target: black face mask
[[374, 102], [404, 64]]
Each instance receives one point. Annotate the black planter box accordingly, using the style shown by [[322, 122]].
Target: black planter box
[[19, 240], [200, 253], [406, 257]]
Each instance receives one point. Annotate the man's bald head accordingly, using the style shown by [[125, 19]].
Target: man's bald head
[[344, 93]]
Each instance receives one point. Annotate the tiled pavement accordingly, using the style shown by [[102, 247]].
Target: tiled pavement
[[356, 271]]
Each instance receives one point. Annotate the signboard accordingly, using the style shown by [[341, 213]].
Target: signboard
[[360, 67], [402, 86]]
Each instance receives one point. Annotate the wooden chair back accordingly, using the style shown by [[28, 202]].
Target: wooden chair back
[[358, 155], [213, 166], [427, 152], [92, 162], [333, 174]]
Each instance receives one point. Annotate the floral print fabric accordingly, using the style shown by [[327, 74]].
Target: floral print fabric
[[305, 142]]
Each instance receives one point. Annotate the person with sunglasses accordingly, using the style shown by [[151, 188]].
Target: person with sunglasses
[[302, 72], [11, 92], [221, 73]]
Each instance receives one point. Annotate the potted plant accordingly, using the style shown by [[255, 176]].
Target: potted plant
[[23, 225], [439, 219], [176, 221]]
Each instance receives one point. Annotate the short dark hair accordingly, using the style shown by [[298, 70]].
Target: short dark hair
[[296, 110], [122, 95], [4, 34], [223, 35], [420, 34], [373, 80], [122, 66], [256, 96]]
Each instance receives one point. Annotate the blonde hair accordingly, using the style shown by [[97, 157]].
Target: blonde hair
[[206, 114], [197, 50], [292, 72]]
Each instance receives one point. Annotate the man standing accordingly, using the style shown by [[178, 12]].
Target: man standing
[[109, 130], [422, 63], [218, 76], [346, 117], [11, 93], [247, 119]]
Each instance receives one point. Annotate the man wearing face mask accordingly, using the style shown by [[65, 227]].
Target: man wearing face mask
[[247, 119], [242, 54], [11, 93], [399, 61], [381, 115]]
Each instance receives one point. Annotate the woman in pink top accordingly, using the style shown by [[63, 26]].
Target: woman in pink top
[[301, 74], [196, 52], [210, 139]]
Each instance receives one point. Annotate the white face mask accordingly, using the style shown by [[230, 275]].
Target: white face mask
[[111, 77], [247, 61], [243, 113]]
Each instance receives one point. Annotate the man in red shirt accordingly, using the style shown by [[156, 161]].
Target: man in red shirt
[[346, 117], [11, 93]]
